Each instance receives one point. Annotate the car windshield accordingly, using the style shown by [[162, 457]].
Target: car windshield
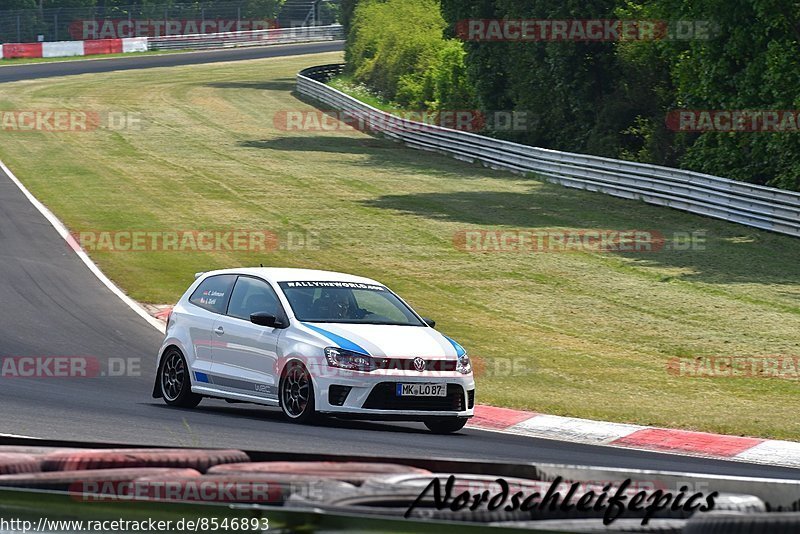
[[346, 302]]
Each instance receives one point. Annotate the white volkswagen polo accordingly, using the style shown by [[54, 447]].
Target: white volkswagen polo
[[312, 342]]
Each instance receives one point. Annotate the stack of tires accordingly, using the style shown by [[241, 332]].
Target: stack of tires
[[356, 488]]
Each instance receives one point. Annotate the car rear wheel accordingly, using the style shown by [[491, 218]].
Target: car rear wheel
[[176, 385], [296, 393], [446, 426]]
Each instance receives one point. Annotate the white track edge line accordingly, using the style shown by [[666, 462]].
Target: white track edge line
[[84, 257], [2, 435]]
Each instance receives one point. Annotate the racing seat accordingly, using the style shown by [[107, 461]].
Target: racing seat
[[321, 306]]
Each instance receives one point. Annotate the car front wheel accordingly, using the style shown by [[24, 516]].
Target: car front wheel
[[296, 392]]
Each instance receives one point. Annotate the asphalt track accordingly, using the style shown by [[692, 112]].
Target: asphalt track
[[52, 305]]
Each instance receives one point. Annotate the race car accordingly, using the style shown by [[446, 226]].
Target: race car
[[313, 343]]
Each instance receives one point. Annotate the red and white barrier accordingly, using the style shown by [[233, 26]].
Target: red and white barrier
[[62, 49], [134, 44], [73, 48]]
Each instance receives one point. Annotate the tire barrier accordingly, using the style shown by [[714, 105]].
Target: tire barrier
[[87, 482], [727, 523], [384, 491], [661, 526], [199, 459], [400, 500], [12, 463], [778, 494], [351, 472], [241, 488]]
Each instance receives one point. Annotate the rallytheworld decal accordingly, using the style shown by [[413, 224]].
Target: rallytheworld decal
[[347, 285], [613, 503]]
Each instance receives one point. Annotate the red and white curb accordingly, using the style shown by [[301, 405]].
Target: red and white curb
[[516, 422], [685, 442], [73, 48]]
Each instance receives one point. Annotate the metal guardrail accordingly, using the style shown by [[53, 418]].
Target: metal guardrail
[[300, 34], [757, 206]]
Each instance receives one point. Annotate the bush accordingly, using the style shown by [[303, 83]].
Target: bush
[[397, 48], [447, 79]]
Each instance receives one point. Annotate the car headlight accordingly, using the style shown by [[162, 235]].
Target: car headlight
[[347, 359], [464, 366]]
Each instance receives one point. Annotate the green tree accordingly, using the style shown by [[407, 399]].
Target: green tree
[[393, 45], [751, 63], [346, 11], [19, 4]]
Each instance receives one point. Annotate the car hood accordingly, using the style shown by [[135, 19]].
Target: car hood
[[387, 341]]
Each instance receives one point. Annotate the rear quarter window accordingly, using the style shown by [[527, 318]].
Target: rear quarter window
[[213, 293]]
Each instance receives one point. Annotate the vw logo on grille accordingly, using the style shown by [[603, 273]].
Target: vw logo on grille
[[419, 364]]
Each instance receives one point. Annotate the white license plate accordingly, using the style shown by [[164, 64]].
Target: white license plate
[[421, 390]]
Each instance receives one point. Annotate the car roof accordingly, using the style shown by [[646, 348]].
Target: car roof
[[285, 274]]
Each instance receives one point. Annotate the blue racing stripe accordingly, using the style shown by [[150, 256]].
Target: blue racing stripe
[[459, 349], [343, 343], [201, 377]]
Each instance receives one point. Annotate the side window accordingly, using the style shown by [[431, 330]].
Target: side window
[[214, 292], [252, 295]]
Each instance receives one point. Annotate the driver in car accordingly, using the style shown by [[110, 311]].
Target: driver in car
[[335, 305]]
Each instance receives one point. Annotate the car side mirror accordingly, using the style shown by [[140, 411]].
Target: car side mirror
[[268, 320], [429, 322]]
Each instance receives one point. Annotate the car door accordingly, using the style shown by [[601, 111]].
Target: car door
[[244, 354], [208, 301]]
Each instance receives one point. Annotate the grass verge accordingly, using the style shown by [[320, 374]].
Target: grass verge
[[579, 334]]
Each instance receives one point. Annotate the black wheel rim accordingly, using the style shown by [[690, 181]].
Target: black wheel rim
[[296, 392], [173, 375]]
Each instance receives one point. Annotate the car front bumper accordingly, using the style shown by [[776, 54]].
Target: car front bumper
[[373, 395]]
